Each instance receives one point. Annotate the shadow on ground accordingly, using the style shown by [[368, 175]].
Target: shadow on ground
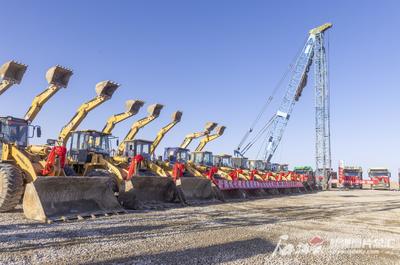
[[220, 253]]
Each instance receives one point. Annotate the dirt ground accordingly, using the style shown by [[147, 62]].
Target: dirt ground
[[332, 227]]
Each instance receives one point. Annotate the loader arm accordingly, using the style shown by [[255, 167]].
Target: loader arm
[[104, 92], [209, 138], [132, 108], [190, 137], [12, 73], [5, 85], [57, 77], [153, 113], [176, 117]]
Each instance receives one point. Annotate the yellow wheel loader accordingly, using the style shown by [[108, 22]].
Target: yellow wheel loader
[[151, 183], [90, 153], [195, 184], [37, 170]]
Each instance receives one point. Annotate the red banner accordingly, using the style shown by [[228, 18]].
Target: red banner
[[239, 184]]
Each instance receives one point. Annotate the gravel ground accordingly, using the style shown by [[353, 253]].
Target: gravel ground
[[340, 227]]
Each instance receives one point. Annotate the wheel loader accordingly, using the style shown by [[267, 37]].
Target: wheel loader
[[36, 171], [195, 183], [90, 154], [151, 181]]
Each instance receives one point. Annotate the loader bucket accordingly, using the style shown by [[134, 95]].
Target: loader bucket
[[58, 75], [155, 109], [49, 199], [13, 71], [152, 188], [176, 116], [133, 106], [106, 88], [210, 126], [221, 130], [196, 188]]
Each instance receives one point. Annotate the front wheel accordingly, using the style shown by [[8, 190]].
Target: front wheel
[[11, 187]]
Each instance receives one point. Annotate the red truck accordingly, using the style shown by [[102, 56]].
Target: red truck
[[350, 177]]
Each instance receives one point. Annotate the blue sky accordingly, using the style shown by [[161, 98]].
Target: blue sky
[[215, 61]]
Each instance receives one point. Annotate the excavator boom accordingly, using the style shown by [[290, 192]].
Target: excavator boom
[[209, 138], [132, 107], [104, 91], [57, 77], [190, 137], [11, 72]]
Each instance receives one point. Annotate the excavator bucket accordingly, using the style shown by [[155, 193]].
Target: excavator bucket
[[133, 106], [13, 71], [196, 188], [210, 126], [49, 199], [155, 109], [59, 76], [176, 116], [106, 88]]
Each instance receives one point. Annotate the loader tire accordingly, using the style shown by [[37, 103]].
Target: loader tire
[[99, 172], [11, 187], [69, 171]]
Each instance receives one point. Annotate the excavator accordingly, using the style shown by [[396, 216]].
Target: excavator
[[11, 73], [25, 170]]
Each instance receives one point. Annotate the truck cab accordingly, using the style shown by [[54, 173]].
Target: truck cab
[[352, 177], [380, 178]]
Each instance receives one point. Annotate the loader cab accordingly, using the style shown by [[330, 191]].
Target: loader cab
[[15, 130], [202, 158], [257, 165], [240, 162], [138, 147], [176, 154], [223, 161], [84, 144]]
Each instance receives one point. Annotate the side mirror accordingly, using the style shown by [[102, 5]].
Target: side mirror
[[39, 132]]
